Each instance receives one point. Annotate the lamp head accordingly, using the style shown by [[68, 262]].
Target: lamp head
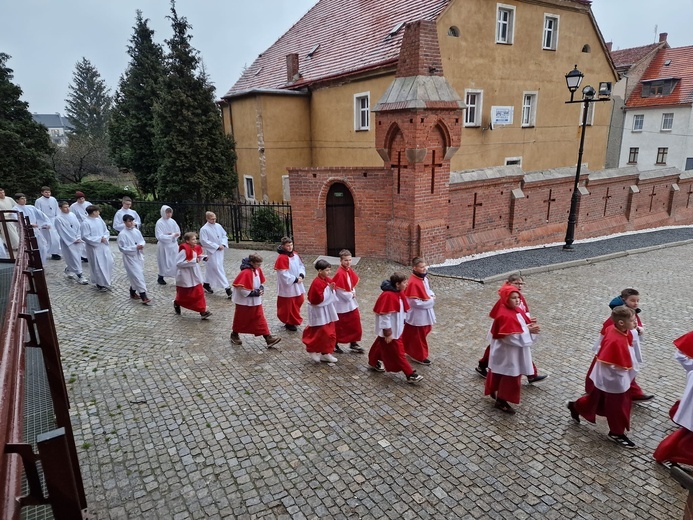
[[588, 92], [605, 89], [573, 79]]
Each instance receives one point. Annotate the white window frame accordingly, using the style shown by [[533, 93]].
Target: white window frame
[[553, 44], [664, 128], [513, 161], [529, 110], [478, 107], [286, 189], [641, 118], [509, 24], [361, 112], [590, 114], [250, 178]]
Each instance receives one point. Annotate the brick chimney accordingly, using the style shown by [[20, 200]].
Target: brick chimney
[[663, 37], [419, 53], [291, 67], [609, 45]]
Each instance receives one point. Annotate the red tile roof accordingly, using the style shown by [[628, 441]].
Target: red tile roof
[[352, 34], [629, 57], [680, 67]]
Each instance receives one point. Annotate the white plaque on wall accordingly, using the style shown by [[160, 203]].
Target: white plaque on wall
[[502, 115]]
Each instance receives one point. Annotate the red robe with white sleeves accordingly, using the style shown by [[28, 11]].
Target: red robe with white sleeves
[[248, 316], [612, 372], [319, 335], [290, 294], [349, 325], [420, 318], [390, 309], [189, 291]]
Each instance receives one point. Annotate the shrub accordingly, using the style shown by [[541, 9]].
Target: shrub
[[266, 225]]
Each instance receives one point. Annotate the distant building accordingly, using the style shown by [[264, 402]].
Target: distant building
[[59, 127]]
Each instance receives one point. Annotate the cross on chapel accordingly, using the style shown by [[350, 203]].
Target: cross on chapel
[[433, 169], [474, 205], [400, 167], [606, 198], [652, 195], [549, 200]]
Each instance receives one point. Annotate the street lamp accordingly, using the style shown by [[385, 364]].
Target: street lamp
[[589, 95]]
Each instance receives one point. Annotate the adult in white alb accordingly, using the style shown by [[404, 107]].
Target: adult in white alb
[[12, 236], [49, 206], [131, 245], [37, 219], [68, 228], [125, 210], [214, 242], [79, 208], [167, 233], [95, 234]]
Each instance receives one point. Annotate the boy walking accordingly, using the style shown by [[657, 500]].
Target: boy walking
[[387, 352], [49, 206], [131, 245], [320, 336], [68, 229], [290, 289], [95, 235], [189, 292], [37, 219], [214, 241], [348, 327], [420, 318], [248, 316], [167, 233], [611, 374], [126, 209]]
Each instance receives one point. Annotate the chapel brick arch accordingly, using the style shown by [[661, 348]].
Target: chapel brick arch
[[394, 141], [325, 189]]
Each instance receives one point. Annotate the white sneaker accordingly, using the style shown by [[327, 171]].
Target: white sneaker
[[315, 357], [71, 276], [328, 358], [83, 281]]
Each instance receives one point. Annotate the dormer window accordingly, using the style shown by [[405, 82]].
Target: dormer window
[[312, 51], [395, 29], [658, 87]]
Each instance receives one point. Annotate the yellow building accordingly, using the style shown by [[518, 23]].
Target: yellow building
[[306, 101]]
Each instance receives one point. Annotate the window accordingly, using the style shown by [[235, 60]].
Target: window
[[362, 114], [510, 161], [667, 121], [633, 156], [590, 114], [662, 155], [505, 22], [249, 187], [689, 163], [529, 108], [660, 87], [472, 115], [454, 31], [638, 121], [550, 40]]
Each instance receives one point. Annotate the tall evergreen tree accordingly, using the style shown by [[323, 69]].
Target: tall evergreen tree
[[131, 130], [24, 144], [89, 101], [197, 159]]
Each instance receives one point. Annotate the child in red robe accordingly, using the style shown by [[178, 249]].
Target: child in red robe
[[420, 318], [320, 336], [189, 291], [611, 374], [512, 334], [387, 352], [677, 447], [248, 316], [349, 325], [290, 290]]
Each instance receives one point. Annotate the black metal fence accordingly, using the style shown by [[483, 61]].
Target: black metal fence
[[262, 222]]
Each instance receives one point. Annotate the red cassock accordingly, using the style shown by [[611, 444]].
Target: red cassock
[[391, 354], [414, 337], [288, 308], [348, 327], [614, 350], [320, 338], [676, 447], [505, 322], [249, 319], [192, 298]]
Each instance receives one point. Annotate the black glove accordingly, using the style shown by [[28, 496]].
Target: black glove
[[254, 293]]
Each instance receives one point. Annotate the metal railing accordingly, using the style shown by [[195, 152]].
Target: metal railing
[[261, 222], [30, 326]]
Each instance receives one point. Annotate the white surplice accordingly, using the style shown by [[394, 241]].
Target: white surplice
[[189, 273], [324, 312], [68, 228], [118, 223], [511, 354], [133, 258], [38, 218], [167, 243], [12, 240], [98, 252], [49, 207], [211, 237]]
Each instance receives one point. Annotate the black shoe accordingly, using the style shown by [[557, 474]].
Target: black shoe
[[622, 440], [356, 348], [537, 378], [207, 288], [176, 308], [205, 315], [338, 349], [425, 362], [236, 339], [643, 397], [482, 371], [414, 378], [292, 328], [229, 293], [573, 412], [378, 367], [56, 257], [161, 280], [134, 295], [504, 406], [85, 260]]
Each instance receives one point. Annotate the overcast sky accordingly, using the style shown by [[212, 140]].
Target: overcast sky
[[46, 38]]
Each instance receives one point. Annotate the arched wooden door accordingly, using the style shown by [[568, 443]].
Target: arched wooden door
[[340, 220]]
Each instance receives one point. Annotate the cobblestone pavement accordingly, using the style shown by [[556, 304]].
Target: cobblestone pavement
[[173, 422]]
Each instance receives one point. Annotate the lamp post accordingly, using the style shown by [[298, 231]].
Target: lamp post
[[573, 80]]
